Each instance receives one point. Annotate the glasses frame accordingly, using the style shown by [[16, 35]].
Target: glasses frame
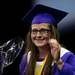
[[41, 31]]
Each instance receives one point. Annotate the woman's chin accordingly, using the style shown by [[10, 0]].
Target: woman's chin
[[40, 45]]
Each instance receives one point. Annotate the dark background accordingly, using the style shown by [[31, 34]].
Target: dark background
[[11, 12]]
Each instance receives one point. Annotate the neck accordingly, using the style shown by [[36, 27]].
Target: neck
[[43, 52]]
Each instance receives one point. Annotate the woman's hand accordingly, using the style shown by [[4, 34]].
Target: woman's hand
[[55, 52], [55, 49]]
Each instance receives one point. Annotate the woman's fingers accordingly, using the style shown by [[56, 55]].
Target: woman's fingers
[[55, 48]]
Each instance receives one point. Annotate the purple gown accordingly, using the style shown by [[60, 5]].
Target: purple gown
[[67, 57]]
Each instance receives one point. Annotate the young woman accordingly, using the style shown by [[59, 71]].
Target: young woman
[[45, 56]]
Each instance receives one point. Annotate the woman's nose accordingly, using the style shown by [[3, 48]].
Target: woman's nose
[[38, 34]]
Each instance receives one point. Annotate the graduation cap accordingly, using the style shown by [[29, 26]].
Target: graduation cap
[[49, 13]]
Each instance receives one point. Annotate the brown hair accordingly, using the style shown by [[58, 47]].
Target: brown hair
[[47, 70]]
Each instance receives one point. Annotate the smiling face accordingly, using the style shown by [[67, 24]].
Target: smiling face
[[40, 34]]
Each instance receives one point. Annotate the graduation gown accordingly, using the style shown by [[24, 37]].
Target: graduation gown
[[67, 57]]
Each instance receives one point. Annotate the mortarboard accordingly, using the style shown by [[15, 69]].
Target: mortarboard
[[58, 15]]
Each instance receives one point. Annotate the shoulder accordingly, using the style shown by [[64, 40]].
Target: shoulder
[[65, 54], [26, 56], [63, 51], [24, 61]]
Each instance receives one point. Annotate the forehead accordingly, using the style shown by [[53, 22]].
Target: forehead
[[39, 26]]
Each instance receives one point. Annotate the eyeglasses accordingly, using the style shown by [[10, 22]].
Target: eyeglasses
[[41, 31]]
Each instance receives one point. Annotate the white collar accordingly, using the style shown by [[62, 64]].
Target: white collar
[[63, 51]]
